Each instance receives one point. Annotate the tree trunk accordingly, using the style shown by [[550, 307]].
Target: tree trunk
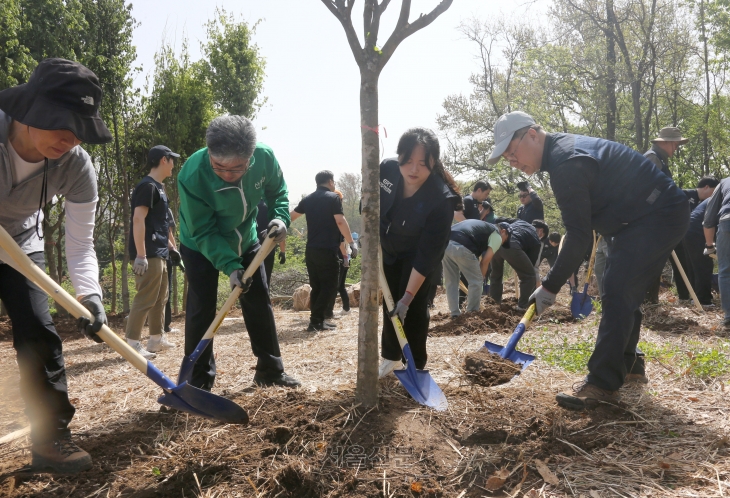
[[610, 76], [125, 208], [638, 123], [367, 376], [705, 140], [114, 271]]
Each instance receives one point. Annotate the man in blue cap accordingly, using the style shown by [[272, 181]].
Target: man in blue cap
[[608, 187]]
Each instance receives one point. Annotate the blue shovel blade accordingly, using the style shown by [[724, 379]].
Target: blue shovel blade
[[204, 403], [516, 357], [581, 305], [419, 383], [421, 386]]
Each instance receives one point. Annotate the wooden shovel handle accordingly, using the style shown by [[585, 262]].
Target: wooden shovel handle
[[686, 282], [30, 271]]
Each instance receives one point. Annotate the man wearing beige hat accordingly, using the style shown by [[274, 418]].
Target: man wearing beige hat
[[664, 146]]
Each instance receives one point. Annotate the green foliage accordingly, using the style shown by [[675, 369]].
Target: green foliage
[[695, 359], [16, 63], [570, 356], [233, 65]]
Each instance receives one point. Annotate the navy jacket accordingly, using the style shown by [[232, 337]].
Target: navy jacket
[[603, 186], [718, 207], [522, 235], [416, 229], [532, 211]]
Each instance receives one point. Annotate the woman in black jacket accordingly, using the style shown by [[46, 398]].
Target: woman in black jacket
[[417, 202]]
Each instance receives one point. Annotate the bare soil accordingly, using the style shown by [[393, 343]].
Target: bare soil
[[489, 369], [670, 438]]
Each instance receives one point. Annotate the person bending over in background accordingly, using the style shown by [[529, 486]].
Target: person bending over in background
[[473, 203], [418, 198]]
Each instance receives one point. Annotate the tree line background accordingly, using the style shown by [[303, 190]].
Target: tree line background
[[617, 69]]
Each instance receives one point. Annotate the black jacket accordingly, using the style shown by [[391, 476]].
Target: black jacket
[[603, 186], [473, 234], [416, 229], [532, 211], [523, 235]]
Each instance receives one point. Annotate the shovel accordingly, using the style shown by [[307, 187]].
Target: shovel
[[186, 368], [509, 352], [183, 397], [419, 383], [581, 304]]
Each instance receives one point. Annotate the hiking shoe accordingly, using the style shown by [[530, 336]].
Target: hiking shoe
[[387, 366], [147, 355], [316, 327], [61, 456], [636, 378], [155, 344], [586, 395], [329, 325], [281, 379]]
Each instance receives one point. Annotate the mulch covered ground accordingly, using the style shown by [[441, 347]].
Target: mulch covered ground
[[670, 438]]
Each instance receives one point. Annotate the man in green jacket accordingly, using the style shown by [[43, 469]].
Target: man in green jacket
[[220, 187]]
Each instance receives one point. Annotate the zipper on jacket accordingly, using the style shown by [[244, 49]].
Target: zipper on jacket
[[240, 241]]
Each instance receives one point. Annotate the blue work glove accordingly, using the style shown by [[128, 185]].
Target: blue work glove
[[401, 307], [709, 250], [140, 266], [236, 279], [280, 233], [87, 327], [542, 298]]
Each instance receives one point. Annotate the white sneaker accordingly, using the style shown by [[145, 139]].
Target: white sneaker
[[147, 355], [173, 331], [344, 312], [155, 345], [387, 366]]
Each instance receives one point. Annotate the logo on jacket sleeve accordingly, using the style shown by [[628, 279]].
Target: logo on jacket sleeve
[[386, 185], [260, 183]]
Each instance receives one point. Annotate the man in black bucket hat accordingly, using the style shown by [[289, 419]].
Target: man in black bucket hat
[[42, 124]]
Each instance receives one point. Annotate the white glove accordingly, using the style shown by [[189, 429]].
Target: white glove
[[542, 298], [140, 266], [280, 233], [354, 249], [709, 250]]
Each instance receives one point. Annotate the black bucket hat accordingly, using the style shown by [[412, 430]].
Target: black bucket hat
[[60, 95]]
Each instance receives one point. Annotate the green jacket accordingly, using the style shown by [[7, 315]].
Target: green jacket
[[217, 218]]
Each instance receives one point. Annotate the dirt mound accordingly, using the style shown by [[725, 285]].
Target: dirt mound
[[493, 316], [662, 320], [489, 369]]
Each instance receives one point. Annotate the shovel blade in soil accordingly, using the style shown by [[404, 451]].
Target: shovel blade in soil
[[516, 357], [196, 401], [581, 305], [421, 386]]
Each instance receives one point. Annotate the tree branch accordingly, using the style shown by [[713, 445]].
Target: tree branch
[[404, 29], [342, 10]]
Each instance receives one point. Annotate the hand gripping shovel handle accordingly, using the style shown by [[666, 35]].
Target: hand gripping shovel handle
[[33, 273], [686, 282], [186, 369]]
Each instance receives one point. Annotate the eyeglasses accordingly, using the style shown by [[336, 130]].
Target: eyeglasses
[[522, 196], [241, 171], [511, 155]]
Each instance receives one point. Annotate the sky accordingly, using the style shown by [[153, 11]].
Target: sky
[[311, 118]]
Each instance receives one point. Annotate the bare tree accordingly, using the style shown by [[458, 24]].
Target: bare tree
[[371, 60]]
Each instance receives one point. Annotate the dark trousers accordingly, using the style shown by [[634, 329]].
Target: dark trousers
[[652, 295], [168, 306], [417, 318], [636, 257], [39, 355], [341, 286], [702, 267], [201, 310], [521, 263], [269, 267], [323, 266]]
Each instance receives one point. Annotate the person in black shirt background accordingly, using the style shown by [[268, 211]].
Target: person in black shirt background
[[531, 208], [418, 198], [480, 193], [325, 225], [262, 222], [149, 247]]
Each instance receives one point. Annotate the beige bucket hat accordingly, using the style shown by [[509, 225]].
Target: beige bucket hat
[[671, 134]]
